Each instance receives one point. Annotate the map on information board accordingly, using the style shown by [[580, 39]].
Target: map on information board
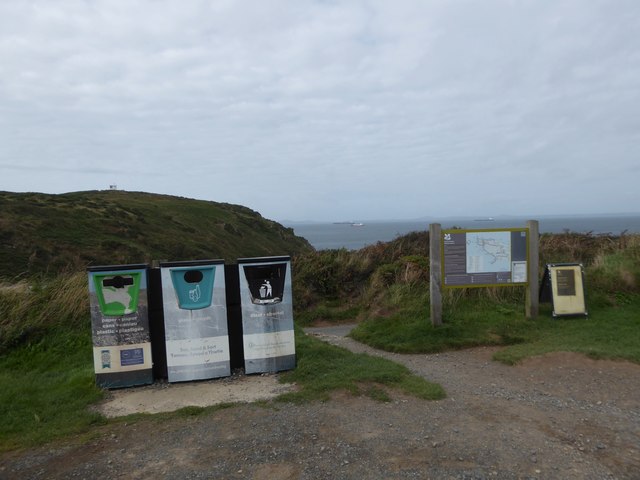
[[488, 252], [484, 257]]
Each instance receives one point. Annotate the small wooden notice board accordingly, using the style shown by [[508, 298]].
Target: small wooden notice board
[[563, 285]]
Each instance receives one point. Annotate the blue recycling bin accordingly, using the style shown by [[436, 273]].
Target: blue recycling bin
[[195, 320]]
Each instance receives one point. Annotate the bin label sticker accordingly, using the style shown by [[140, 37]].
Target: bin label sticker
[[133, 356], [122, 358], [269, 345], [197, 351], [105, 355]]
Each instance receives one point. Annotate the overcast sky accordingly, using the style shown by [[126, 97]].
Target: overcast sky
[[328, 110]]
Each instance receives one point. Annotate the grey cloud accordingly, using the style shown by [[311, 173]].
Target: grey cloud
[[381, 107]]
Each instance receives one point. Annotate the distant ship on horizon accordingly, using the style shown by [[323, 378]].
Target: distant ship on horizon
[[487, 219], [353, 224]]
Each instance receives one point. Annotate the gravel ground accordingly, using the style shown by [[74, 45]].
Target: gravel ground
[[556, 416]]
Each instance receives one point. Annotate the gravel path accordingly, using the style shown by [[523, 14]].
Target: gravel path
[[556, 416]]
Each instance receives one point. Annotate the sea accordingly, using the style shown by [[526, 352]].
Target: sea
[[355, 235]]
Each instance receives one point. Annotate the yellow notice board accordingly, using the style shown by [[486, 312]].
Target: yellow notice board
[[565, 284]]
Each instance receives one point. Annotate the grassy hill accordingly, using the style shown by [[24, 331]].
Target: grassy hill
[[41, 233]]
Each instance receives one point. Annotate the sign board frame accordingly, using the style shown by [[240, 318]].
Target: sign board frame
[[563, 284], [481, 279]]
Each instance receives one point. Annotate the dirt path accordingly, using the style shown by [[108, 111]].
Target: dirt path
[[556, 416]]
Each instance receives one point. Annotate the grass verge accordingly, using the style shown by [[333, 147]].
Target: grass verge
[[324, 368], [45, 388], [609, 332]]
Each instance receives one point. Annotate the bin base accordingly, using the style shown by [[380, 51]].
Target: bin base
[[270, 365], [124, 379]]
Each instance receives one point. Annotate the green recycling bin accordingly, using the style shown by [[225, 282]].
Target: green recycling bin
[[195, 320], [120, 325]]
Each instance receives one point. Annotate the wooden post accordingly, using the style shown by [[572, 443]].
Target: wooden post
[[435, 273], [533, 262]]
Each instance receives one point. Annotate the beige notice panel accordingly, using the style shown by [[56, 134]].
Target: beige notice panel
[[567, 289]]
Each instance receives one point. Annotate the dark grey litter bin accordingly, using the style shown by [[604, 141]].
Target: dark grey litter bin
[[267, 314]]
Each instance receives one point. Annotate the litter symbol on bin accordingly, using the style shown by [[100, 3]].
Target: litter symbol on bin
[[265, 290], [266, 282]]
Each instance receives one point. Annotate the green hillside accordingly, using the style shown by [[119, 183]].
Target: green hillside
[[41, 233]]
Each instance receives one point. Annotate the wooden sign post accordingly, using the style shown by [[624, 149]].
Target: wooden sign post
[[435, 273]]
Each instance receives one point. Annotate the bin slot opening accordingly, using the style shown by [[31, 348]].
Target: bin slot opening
[[117, 281], [193, 276]]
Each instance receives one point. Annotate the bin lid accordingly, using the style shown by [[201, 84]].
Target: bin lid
[[113, 268], [191, 263], [265, 259]]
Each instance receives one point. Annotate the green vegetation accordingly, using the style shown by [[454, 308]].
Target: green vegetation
[[46, 241], [30, 312], [612, 333], [46, 388], [324, 368], [48, 234], [608, 332], [386, 287]]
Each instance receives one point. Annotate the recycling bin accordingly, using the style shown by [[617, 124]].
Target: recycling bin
[[267, 314], [195, 320], [120, 325]]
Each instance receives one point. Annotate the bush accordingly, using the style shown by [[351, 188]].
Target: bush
[[27, 310], [368, 277]]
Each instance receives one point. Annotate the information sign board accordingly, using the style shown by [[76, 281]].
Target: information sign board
[[483, 258]]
